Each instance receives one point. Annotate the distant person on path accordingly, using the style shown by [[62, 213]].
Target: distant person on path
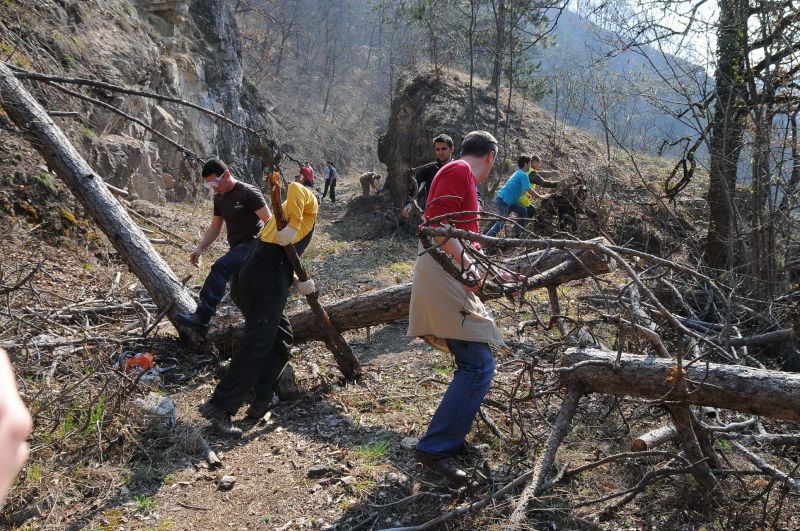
[[369, 183], [445, 310], [242, 209], [330, 181], [306, 174], [325, 173], [260, 290], [507, 199], [15, 427], [443, 148]]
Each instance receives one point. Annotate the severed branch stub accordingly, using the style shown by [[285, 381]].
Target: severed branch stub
[[345, 359], [209, 455], [654, 438], [561, 428]]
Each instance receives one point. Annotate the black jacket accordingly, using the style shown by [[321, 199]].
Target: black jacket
[[424, 178]]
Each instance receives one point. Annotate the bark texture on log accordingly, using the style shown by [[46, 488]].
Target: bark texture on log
[[653, 439], [774, 394], [90, 189]]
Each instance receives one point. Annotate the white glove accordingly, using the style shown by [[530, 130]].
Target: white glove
[[285, 236], [472, 272], [305, 288]]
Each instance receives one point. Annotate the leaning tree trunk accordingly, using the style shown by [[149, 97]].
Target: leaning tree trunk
[[89, 188]]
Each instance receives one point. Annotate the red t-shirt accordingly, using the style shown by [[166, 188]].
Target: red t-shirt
[[307, 173], [454, 179]]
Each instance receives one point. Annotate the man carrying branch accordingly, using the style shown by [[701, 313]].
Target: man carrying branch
[[445, 312], [242, 209], [260, 290]]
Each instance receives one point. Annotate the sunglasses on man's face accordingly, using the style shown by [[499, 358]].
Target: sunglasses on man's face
[[214, 183]]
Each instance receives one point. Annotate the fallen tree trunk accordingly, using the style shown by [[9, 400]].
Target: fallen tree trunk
[[89, 188], [391, 304], [774, 394]]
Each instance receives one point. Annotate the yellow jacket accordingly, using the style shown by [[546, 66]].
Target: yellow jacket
[[525, 200], [300, 209]]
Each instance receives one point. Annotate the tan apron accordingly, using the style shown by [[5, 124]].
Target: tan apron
[[442, 307]]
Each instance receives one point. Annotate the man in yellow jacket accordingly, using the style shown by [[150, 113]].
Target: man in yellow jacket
[[260, 290]]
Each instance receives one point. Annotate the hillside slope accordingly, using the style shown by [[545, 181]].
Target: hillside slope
[[624, 195]]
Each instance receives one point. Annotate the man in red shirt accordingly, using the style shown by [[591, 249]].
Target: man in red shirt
[[444, 311], [306, 175]]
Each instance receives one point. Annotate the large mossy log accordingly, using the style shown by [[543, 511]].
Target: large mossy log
[[768, 393]]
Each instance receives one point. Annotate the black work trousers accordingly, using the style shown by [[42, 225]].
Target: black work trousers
[[330, 184], [260, 290]]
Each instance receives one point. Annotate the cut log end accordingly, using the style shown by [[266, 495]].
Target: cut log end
[[654, 439]]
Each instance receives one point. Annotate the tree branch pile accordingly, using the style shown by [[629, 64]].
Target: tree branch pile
[[667, 354]]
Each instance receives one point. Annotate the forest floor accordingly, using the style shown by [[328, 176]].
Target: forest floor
[[339, 456]]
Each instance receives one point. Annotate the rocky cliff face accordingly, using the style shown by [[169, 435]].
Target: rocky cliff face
[[186, 49], [425, 105]]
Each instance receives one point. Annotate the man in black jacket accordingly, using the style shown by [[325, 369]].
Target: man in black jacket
[[443, 147]]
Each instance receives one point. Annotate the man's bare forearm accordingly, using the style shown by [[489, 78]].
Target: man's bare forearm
[[210, 236], [456, 251]]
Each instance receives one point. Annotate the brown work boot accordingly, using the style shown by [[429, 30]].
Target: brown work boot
[[220, 420], [444, 466]]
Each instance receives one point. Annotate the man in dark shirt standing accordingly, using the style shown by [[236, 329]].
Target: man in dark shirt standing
[[443, 146], [243, 210]]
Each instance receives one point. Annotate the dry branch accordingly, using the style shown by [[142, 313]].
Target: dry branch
[[391, 304], [774, 439], [561, 427], [766, 467]]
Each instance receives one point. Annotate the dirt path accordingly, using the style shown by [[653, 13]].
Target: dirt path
[[332, 453], [335, 456]]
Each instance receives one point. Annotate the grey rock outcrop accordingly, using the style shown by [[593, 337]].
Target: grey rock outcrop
[[188, 49], [129, 163]]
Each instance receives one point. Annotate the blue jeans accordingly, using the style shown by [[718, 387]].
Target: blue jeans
[[503, 209], [453, 418], [221, 272]]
